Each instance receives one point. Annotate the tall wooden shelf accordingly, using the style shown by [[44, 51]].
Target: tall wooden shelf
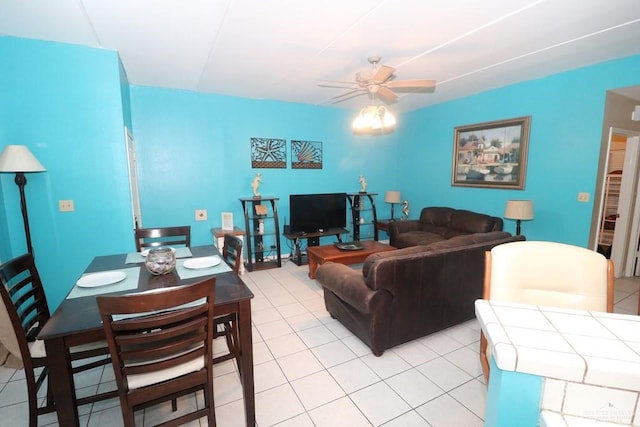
[[262, 248], [610, 208], [363, 215]]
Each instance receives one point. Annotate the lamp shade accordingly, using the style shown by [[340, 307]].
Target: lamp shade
[[519, 209], [18, 158], [392, 197]]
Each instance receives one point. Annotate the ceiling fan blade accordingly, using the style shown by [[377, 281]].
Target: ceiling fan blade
[[387, 94], [344, 86], [383, 73], [411, 83], [347, 94]]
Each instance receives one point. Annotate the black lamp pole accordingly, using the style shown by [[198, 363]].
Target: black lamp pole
[[21, 181], [517, 227]]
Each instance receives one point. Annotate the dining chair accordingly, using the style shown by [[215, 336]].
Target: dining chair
[[25, 305], [547, 274], [161, 345], [162, 236], [232, 252], [226, 325]]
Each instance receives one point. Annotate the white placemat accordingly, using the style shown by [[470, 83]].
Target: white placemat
[[129, 283], [135, 257], [186, 273]]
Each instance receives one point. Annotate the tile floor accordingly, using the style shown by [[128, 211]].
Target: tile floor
[[311, 371]]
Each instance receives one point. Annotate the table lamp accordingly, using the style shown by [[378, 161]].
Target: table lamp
[[392, 197], [520, 210], [18, 159]]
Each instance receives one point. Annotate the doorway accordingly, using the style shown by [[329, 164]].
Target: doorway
[[619, 213]]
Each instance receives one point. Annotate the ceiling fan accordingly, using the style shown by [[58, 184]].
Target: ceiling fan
[[379, 81]]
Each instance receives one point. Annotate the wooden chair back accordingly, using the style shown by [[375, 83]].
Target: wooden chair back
[[23, 313], [162, 236], [161, 346], [232, 252], [549, 274]]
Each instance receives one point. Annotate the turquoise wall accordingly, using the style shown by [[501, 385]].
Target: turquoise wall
[[69, 105], [195, 153], [64, 103], [566, 112]]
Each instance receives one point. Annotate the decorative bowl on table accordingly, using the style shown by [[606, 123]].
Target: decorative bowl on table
[[160, 261]]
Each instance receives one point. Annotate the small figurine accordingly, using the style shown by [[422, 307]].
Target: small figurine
[[405, 209], [363, 184], [255, 184]]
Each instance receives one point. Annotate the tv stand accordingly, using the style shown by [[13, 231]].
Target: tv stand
[[313, 239]]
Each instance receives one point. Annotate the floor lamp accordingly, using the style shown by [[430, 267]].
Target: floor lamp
[[19, 160]]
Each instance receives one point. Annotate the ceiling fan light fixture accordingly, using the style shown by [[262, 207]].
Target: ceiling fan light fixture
[[374, 120]]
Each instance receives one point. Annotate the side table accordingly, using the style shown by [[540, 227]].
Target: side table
[[218, 239]]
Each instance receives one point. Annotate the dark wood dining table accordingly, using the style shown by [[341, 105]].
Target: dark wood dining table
[[77, 321]]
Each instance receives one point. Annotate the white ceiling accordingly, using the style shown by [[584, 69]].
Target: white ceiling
[[283, 49]]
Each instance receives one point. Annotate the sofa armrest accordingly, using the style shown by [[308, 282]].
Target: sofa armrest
[[397, 227], [349, 285]]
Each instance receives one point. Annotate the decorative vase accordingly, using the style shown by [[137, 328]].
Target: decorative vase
[[160, 261]]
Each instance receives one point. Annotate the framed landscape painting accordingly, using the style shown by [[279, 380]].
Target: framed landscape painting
[[491, 154]]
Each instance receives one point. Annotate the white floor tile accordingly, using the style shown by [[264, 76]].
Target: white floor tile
[[299, 365], [317, 389], [414, 388], [415, 353], [409, 419], [387, 365], [444, 374], [285, 345], [446, 412], [276, 405], [312, 371], [473, 395], [354, 375], [339, 413], [319, 335], [333, 353], [466, 359], [379, 403], [267, 375]]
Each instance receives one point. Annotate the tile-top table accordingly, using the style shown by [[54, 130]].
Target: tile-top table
[[559, 367]]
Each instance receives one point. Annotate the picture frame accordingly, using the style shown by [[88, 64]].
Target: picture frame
[[491, 154], [227, 220]]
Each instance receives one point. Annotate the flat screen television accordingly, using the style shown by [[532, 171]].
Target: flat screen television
[[310, 213]]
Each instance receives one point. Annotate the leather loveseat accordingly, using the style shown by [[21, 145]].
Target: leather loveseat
[[440, 223], [408, 293]]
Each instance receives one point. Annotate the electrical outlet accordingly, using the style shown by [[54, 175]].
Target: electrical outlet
[[66, 205], [583, 197], [201, 214]]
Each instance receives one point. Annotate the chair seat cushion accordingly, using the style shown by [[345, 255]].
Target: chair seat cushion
[[142, 380], [37, 348]]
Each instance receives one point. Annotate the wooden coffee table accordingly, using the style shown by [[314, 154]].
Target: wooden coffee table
[[318, 255]]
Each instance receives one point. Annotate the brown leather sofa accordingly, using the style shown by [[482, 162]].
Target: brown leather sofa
[[408, 293], [440, 223]]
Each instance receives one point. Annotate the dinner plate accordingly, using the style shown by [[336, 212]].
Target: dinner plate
[[146, 251], [100, 279], [203, 262]]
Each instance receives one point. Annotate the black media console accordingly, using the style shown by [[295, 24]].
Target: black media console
[[313, 239]]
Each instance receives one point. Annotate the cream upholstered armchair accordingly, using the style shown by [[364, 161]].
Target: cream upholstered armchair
[[547, 274]]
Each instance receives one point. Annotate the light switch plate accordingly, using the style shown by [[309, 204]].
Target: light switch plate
[[201, 214], [66, 205], [583, 197]]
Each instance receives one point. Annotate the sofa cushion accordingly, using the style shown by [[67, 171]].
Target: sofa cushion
[[413, 238], [473, 222], [469, 239]]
